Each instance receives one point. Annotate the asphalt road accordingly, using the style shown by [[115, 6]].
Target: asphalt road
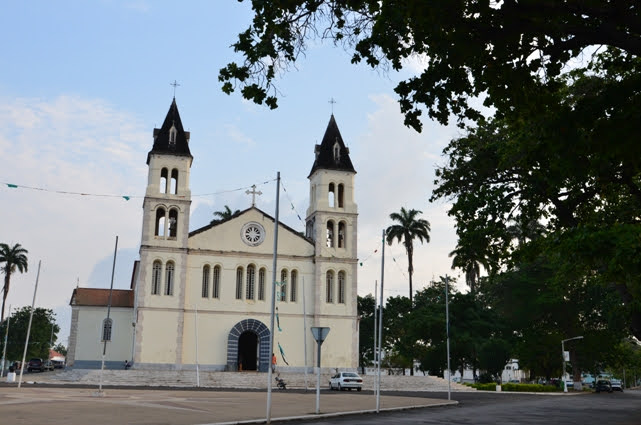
[[485, 408]]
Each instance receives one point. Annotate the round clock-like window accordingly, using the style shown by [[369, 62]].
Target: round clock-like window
[[252, 233]]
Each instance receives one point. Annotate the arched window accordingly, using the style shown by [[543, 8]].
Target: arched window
[[329, 287], [174, 181], [239, 283], [106, 329], [261, 283], [331, 195], [341, 234], [155, 278], [341, 287], [341, 195], [282, 292], [164, 177], [293, 286], [216, 286], [160, 222], [169, 279], [337, 152], [205, 291], [330, 234], [251, 282], [173, 222]]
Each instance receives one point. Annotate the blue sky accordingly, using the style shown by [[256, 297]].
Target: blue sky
[[83, 85]]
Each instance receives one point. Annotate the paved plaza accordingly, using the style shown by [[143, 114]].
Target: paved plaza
[[71, 405]]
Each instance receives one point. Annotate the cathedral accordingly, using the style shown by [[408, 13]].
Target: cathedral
[[204, 297]]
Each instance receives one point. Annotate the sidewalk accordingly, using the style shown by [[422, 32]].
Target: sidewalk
[[79, 406]]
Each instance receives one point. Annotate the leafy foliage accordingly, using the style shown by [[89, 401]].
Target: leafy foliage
[[41, 332], [223, 215], [507, 50]]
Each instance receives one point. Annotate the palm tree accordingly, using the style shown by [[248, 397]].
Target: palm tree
[[409, 227], [14, 258], [224, 214], [470, 262]]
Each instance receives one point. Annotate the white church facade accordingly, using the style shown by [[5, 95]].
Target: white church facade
[[204, 297]]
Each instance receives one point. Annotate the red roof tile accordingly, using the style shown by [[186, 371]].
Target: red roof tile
[[100, 297]]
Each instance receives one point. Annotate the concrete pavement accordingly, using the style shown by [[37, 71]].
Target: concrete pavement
[[71, 405]]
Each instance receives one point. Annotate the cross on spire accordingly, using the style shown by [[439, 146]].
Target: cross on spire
[[253, 193], [332, 102], [175, 84]]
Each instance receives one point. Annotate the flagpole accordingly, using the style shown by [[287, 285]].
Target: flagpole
[[104, 348], [26, 343], [4, 348], [273, 306], [380, 327], [197, 368], [375, 329], [304, 334]]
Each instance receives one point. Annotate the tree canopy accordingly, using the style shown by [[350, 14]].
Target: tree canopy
[[506, 50], [44, 331], [12, 259]]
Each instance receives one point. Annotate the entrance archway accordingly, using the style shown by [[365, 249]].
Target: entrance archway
[[262, 356], [248, 351]]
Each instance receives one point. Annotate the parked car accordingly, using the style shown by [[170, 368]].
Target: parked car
[[47, 366], [58, 364], [35, 364], [616, 385], [603, 385], [346, 380]]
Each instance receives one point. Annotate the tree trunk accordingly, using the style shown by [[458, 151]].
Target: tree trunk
[[7, 276]]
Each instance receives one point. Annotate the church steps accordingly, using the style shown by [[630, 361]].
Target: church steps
[[233, 380]]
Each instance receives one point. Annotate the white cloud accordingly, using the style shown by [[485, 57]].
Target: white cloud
[[395, 168], [75, 145]]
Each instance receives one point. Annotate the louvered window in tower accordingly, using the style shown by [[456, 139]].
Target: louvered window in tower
[[172, 137], [337, 152]]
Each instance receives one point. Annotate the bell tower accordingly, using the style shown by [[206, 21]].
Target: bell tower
[[162, 272], [332, 224]]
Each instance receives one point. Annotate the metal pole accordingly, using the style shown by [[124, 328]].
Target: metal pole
[[375, 328], [380, 327], [447, 331], [565, 385], [26, 343], [6, 336], [304, 334], [318, 373], [196, 330], [273, 306], [111, 288]]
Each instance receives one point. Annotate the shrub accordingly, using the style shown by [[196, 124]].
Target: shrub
[[534, 388]]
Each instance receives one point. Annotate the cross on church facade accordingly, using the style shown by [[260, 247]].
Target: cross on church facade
[[253, 193]]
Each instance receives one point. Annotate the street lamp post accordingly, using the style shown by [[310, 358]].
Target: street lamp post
[[565, 384]]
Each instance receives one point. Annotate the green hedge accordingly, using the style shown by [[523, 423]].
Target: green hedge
[[532, 388]]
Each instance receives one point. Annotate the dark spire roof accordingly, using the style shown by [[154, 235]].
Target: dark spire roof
[[179, 144], [329, 158]]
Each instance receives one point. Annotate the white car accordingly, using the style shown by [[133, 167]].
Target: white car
[[346, 380]]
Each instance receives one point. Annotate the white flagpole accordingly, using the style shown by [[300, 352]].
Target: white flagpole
[[271, 319], [304, 334], [26, 343], [197, 369], [375, 329], [380, 328], [6, 336]]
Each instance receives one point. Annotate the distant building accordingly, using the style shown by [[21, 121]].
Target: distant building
[[221, 275]]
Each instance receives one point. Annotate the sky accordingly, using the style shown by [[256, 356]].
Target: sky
[[83, 85]]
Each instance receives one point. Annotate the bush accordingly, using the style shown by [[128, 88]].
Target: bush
[[534, 388], [484, 387]]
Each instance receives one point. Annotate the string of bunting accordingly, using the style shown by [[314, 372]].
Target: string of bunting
[[125, 197]]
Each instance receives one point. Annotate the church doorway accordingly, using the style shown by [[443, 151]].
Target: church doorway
[[248, 349]]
